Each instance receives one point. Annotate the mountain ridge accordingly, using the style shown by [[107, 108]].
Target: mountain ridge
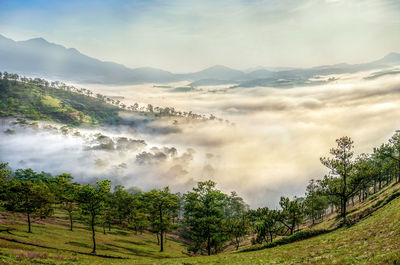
[[37, 56]]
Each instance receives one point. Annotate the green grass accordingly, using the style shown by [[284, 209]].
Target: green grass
[[372, 240], [119, 243], [46, 103]]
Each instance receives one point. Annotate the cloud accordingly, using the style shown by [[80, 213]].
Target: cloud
[[272, 150]]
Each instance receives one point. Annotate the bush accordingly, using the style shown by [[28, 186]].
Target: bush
[[298, 236], [378, 203]]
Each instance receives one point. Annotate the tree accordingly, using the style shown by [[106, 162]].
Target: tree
[[4, 173], [120, 199], [162, 205], [341, 183], [204, 216], [291, 214], [91, 200], [392, 150], [27, 193], [237, 221], [138, 217], [66, 193], [315, 202], [265, 223]]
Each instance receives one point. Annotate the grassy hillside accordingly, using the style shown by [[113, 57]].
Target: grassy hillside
[[374, 239], [53, 242], [51, 104]]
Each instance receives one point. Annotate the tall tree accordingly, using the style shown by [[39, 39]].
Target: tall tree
[[66, 193], [91, 200], [204, 215], [237, 221], [341, 183], [162, 205]]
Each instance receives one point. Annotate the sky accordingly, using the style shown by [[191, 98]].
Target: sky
[[188, 35]]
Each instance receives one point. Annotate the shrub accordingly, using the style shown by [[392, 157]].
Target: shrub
[[301, 235]]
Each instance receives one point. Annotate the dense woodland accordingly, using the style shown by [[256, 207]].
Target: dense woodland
[[205, 217]]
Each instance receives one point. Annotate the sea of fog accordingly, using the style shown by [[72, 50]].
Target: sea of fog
[[272, 150]]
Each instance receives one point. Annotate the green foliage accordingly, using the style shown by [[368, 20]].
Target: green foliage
[[291, 214], [345, 179], [66, 193], [266, 224], [204, 217], [91, 200], [27, 193], [315, 202], [162, 206]]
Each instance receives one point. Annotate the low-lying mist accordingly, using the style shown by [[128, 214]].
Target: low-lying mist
[[273, 148]]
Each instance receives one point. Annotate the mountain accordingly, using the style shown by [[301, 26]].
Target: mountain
[[40, 57], [217, 72]]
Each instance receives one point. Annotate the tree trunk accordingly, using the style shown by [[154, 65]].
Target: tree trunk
[[398, 170], [161, 231], [104, 228], [109, 226], [161, 241], [70, 221], [29, 223], [208, 245], [344, 209], [93, 235]]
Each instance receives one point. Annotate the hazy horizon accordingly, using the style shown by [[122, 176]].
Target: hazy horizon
[[185, 36]]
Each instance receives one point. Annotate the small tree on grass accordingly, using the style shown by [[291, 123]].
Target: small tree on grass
[[237, 222], [291, 214], [26, 193], [66, 193], [162, 206], [91, 200], [315, 202], [265, 224]]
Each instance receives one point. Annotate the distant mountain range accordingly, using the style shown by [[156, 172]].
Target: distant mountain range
[[38, 57]]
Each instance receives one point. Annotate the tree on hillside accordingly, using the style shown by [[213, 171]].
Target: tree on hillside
[[315, 202], [342, 183], [91, 200], [162, 205], [121, 198], [4, 174], [291, 214], [27, 193], [237, 222], [392, 150], [204, 216], [138, 214], [65, 193], [265, 223]]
